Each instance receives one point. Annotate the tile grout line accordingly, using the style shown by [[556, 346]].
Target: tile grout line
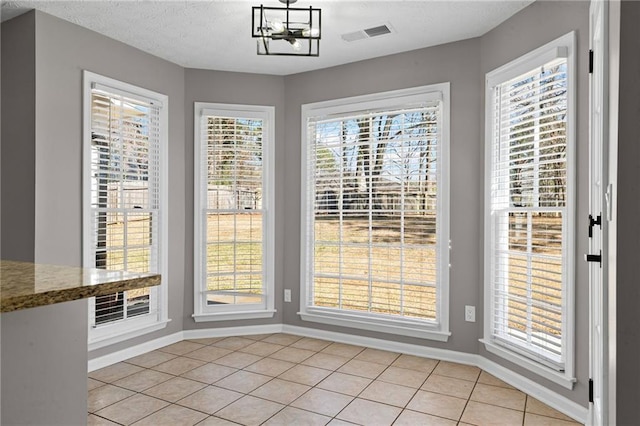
[[243, 393], [469, 397], [272, 378], [315, 386], [174, 376], [315, 350], [372, 381]]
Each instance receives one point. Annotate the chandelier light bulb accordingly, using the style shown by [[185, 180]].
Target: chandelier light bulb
[[310, 32], [277, 26], [286, 31]]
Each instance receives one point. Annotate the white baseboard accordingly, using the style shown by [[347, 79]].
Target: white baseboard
[[386, 345], [124, 354], [553, 399], [536, 390], [232, 331], [114, 357]]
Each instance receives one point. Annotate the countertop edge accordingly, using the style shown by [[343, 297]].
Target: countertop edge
[[67, 295]]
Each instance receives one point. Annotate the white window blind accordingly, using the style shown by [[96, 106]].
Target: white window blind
[[233, 231], [124, 197], [531, 214], [375, 231]]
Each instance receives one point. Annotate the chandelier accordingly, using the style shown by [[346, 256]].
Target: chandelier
[[286, 31]]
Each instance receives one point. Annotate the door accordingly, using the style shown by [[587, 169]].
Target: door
[[598, 215]]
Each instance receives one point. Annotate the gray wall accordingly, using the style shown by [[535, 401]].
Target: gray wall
[[62, 51], [457, 63], [464, 64], [44, 371], [18, 137], [243, 89], [532, 27], [628, 209]]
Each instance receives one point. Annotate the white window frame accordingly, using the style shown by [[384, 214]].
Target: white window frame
[[202, 311], [433, 330], [561, 47], [117, 331]]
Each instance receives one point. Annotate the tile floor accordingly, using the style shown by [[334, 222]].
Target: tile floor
[[281, 379]]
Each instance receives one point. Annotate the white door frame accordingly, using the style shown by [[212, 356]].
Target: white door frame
[[613, 67], [598, 189]]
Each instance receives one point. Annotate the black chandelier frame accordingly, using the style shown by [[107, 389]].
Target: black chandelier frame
[[293, 30]]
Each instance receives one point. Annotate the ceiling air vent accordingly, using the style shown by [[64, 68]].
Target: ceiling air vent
[[367, 33], [377, 31], [355, 36]]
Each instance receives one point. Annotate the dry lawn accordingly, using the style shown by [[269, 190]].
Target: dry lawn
[[342, 272], [365, 271]]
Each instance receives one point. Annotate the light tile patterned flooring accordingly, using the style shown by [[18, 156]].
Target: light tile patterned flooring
[[281, 379]]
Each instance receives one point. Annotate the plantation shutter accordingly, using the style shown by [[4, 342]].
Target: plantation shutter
[[232, 213], [373, 194], [125, 199], [529, 213]]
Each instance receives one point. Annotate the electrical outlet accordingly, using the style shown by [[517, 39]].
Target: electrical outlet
[[287, 295], [470, 313]]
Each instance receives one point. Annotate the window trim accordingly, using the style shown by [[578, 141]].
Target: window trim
[[203, 313], [405, 326], [109, 334], [563, 46]]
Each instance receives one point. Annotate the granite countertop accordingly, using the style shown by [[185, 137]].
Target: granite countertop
[[27, 285]]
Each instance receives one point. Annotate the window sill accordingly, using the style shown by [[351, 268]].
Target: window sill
[[225, 316], [397, 327], [564, 380], [121, 332]]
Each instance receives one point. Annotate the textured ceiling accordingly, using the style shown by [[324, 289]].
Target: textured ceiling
[[217, 34]]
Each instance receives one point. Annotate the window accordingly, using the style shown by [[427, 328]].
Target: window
[[530, 211], [234, 221], [124, 203], [375, 237]]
